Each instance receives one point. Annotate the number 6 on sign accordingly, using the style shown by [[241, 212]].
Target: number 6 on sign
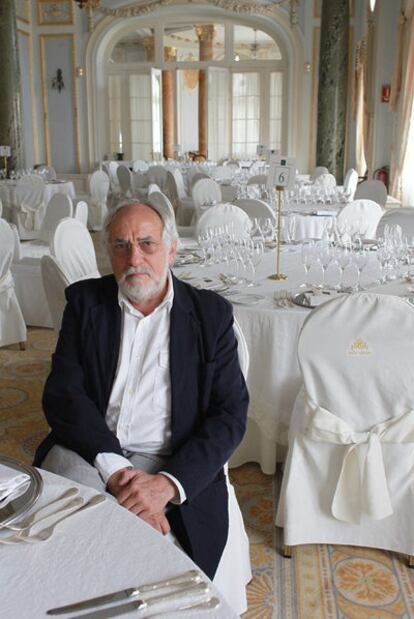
[[282, 176]]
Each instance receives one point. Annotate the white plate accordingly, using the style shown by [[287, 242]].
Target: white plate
[[246, 299]]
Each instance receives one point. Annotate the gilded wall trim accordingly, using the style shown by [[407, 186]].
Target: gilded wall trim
[[43, 38], [32, 93], [56, 13], [23, 11]]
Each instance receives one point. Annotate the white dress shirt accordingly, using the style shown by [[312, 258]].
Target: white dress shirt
[[139, 408]]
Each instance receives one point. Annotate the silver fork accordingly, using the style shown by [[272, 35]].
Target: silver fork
[[181, 612], [27, 522]]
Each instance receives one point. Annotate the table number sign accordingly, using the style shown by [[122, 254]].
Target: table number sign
[[282, 172]]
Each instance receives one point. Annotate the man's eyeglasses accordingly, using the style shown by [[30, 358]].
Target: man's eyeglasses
[[124, 248]]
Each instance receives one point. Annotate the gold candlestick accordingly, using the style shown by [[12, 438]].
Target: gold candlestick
[[278, 275]]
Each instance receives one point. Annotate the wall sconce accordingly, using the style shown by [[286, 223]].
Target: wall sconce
[[80, 72], [307, 66], [57, 81]]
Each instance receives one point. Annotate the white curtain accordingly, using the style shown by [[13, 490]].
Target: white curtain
[[218, 113]]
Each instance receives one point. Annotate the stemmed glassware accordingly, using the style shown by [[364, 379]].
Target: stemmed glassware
[[308, 255]]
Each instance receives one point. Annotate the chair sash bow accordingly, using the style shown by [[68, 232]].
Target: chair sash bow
[[32, 219], [6, 289], [360, 492]]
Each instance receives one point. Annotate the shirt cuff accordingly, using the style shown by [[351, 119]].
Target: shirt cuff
[[109, 463], [177, 500]]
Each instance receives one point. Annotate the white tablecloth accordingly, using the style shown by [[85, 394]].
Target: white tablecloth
[[272, 334], [104, 549], [8, 189]]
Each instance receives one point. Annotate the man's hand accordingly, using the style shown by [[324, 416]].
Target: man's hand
[[141, 493]]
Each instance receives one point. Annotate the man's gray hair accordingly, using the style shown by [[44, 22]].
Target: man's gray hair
[[169, 232]]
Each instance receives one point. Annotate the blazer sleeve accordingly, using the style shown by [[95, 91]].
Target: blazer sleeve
[[223, 401], [74, 395]]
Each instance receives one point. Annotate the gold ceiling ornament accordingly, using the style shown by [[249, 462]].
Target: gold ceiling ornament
[[236, 6], [88, 4]]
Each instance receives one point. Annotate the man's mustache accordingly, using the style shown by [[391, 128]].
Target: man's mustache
[[135, 271]]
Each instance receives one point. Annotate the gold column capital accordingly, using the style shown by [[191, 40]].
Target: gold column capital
[[170, 53], [205, 32]]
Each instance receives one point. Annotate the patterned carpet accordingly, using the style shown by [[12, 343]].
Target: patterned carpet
[[319, 582]]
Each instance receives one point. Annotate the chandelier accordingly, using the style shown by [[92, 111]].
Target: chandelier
[[88, 4]]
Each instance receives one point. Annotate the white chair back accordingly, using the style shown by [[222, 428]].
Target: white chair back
[[1, 208], [350, 183], [198, 176], [112, 169], [206, 192], [124, 179], [257, 179], [157, 198], [372, 190], [140, 166], [256, 208], [12, 325], [195, 169], [81, 212], [361, 217], [157, 174], [317, 171], [55, 281], [327, 181], [99, 185], [59, 206], [403, 217], [153, 187], [223, 214], [73, 248], [17, 253]]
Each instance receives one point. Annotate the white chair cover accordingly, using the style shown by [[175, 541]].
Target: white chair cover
[[362, 216], [59, 206], [327, 181], [54, 281], [195, 169], [153, 187], [157, 198], [223, 214], [317, 172], [97, 204], [257, 179], [140, 166], [372, 190], [256, 208], [183, 204], [351, 457], [81, 212], [206, 192], [403, 217], [29, 208], [223, 173], [73, 248], [1, 208], [113, 177], [124, 179], [157, 174], [198, 176], [139, 184], [234, 570], [12, 325], [228, 192], [350, 183]]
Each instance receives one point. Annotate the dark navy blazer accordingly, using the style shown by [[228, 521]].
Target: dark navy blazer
[[208, 400]]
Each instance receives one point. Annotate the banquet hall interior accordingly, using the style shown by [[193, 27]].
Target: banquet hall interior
[[281, 135]]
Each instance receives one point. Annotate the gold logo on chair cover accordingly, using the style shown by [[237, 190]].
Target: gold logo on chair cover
[[359, 347]]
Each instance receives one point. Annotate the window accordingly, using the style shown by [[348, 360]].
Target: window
[[246, 114], [275, 111], [193, 42], [115, 137], [253, 44], [140, 116]]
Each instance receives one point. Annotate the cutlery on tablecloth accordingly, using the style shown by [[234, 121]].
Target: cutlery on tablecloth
[[188, 578], [208, 604], [40, 514], [196, 590]]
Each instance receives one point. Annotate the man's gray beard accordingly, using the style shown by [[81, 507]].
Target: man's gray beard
[[140, 292]]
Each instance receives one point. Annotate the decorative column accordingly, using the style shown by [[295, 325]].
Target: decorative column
[[149, 44], [168, 104], [205, 36], [332, 90], [11, 121]]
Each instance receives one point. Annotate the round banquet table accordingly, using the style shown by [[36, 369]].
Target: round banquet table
[[8, 189], [271, 334], [98, 551]]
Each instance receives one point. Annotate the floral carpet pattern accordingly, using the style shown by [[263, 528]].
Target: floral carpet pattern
[[319, 582]]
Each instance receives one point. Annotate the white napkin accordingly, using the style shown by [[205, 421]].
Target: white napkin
[[12, 484]]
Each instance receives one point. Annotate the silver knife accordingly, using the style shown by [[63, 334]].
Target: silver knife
[[195, 591], [192, 576]]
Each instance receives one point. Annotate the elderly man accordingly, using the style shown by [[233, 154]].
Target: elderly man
[[145, 397]]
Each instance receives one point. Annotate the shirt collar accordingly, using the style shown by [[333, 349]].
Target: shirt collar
[[167, 301]]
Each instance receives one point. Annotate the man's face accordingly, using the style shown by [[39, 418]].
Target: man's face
[[139, 257]]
